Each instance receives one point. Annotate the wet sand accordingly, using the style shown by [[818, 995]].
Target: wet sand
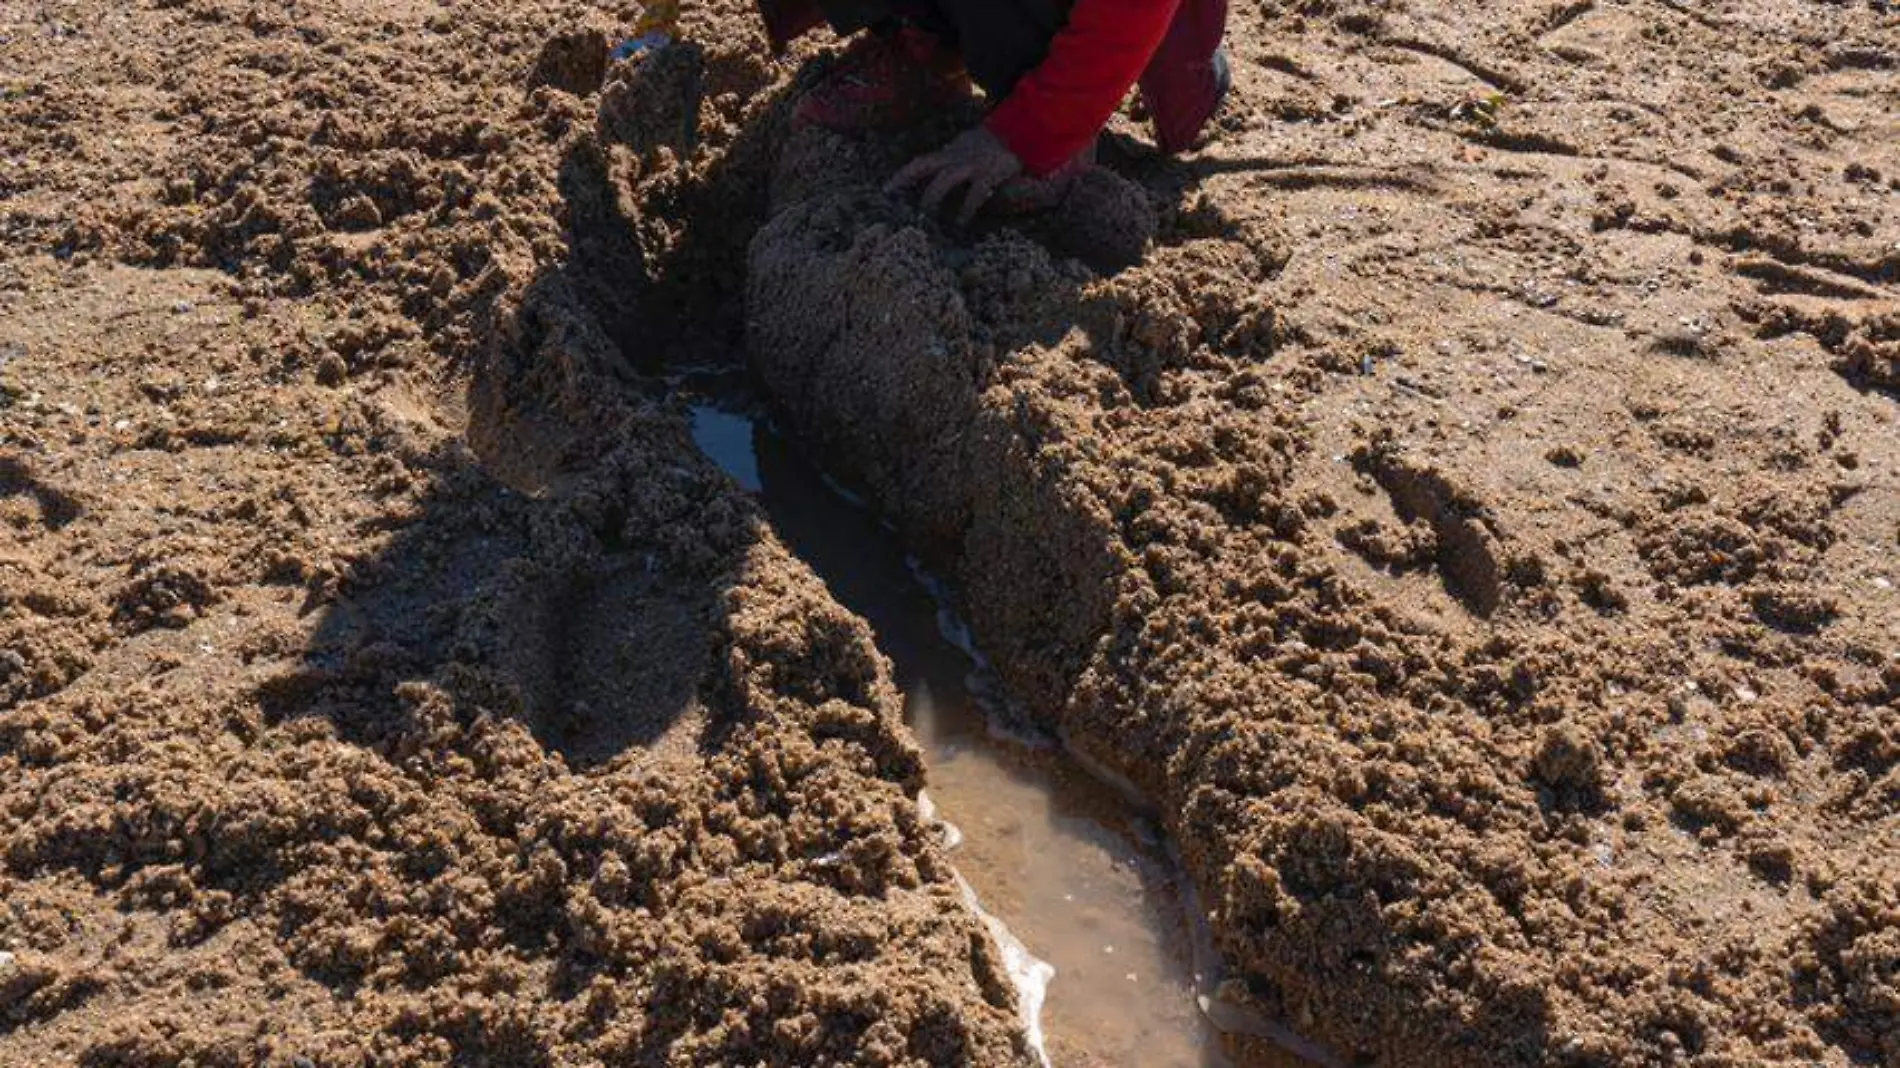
[[1471, 518], [1067, 862]]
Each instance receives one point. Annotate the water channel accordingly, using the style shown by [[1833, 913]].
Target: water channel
[[1066, 863]]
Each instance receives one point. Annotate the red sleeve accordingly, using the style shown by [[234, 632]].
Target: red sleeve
[[1057, 108]]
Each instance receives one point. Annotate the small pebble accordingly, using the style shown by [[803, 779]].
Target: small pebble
[[182, 307], [6, 959], [1882, 583]]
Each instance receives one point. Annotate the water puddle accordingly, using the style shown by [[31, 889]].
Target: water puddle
[[1062, 861]]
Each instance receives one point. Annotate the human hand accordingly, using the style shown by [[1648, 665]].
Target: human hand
[[1024, 195], [976, 159]]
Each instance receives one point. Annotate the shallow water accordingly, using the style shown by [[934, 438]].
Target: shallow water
[[1061, 859]]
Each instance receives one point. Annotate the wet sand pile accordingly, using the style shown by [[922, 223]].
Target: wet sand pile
[[383, 679], [1474, 522]]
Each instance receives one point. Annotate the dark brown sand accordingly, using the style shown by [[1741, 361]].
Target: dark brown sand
[[1473, 521], [385, 681]]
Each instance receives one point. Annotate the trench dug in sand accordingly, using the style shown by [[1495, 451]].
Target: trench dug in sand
[[1461, 499], [1059, 854], [1075, 878], [1425, 818]]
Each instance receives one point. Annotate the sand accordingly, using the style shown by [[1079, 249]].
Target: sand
[[1473, 521], [387, 679], [1463, 496]]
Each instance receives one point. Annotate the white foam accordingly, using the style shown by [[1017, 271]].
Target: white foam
[[949, 624], [838, 490], [1008, 730], [927, 808], [1029, 973], [1101, 772]]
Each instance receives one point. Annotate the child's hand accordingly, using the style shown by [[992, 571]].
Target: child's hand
[[976, 159]]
